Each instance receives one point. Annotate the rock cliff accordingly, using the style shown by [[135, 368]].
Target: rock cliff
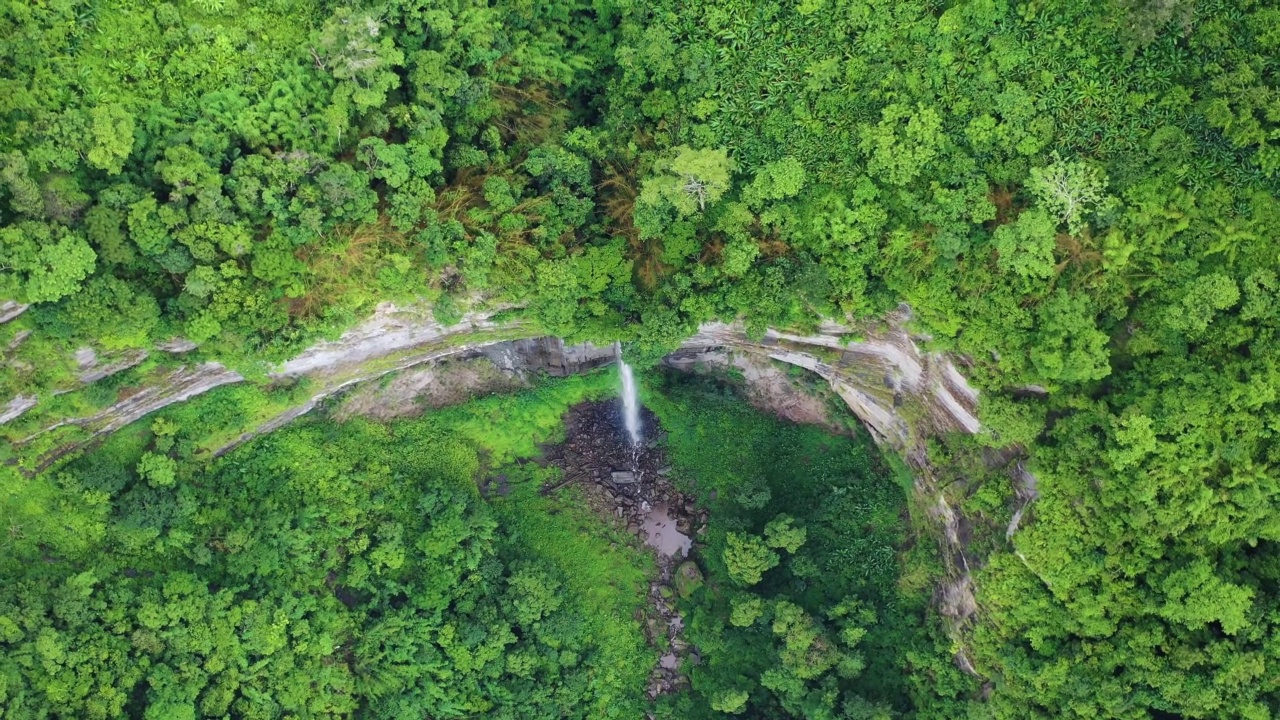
[[900, 392]]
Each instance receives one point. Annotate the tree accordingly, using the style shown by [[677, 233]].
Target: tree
[[1195, 597], [24, 193], [748, 558], [146, 227], [534, 595], [158, 470], [112, 138], [59, 268], [1025, 246], [686, 183], [730, 702], [408, 202], [805, 651], [1070, 191], [64, 200], [389, 162], [746, 609], [115, 313], [782, 533], [778, 180], [903, 144], [1143, 21], [359, 51], [1202, 299], [1068, 346]]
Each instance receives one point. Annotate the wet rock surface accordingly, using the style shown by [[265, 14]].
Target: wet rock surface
[[548, 355], [630, 486]]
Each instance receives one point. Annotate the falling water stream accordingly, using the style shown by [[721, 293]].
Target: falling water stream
[[630, 400]]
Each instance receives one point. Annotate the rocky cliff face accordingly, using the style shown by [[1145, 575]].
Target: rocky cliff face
[[901, 393], [392, 339], [426, 354], [176, 386]]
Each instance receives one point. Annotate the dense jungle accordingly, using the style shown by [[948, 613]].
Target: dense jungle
[[1067, 209]]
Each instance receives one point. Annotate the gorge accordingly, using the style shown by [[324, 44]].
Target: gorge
[[903, 395]]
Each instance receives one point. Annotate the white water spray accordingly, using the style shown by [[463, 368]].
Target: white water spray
[[630, 399]]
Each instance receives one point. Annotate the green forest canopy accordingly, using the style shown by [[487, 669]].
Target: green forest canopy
[[325, 571], [337, 570], [1079, 197]]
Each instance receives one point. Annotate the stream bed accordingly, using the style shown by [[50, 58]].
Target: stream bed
[[629, 485]]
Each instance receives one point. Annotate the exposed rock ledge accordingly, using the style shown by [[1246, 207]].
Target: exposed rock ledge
[[10, 309], [16, 406], [388, 331], [899, 392], [902, 394], [392, 339], [176, 386]]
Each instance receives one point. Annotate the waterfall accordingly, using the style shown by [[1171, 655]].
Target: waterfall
[[630, 399]]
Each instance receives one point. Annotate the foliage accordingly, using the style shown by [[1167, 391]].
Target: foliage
[[1077, 198], [747, 558], [800, 615], [324, 570]]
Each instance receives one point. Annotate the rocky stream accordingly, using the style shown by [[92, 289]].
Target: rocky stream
[[630, 485]]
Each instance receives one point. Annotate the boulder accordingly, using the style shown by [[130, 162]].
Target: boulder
[[688, 578]]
